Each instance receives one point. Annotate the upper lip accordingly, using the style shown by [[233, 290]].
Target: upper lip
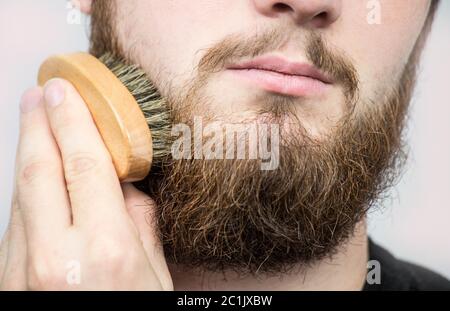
[[283, 66]]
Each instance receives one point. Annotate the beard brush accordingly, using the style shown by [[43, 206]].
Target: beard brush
[[131, 116]]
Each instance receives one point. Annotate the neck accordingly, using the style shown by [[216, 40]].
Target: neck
[[346, 270]]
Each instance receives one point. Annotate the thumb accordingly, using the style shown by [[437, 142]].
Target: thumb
[[141, 209]]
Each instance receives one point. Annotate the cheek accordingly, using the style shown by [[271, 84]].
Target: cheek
[[168, 37], [380, 51]]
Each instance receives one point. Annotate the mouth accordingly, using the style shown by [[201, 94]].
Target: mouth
[[278, 75]]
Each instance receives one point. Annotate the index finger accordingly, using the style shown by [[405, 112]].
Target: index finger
[[93, 186]]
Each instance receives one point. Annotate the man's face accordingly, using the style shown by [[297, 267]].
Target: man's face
[[170, 38], [336, 82]]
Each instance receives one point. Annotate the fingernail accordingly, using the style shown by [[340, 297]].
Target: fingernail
[[54, 93], [30, 100]]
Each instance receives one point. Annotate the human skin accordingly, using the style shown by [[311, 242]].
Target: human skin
[[60, 149], [378, 52], [52, 155]]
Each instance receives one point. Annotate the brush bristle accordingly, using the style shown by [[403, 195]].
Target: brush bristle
[[153, 106]]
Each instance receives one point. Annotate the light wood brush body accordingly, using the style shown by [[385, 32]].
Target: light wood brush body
[[130, 115]]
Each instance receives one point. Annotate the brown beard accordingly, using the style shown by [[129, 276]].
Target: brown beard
[[230, 214]]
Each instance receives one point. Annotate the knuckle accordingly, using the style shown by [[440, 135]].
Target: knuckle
[[42, 275], [113, 255], [33, 169], [78, 165], [108, 249]]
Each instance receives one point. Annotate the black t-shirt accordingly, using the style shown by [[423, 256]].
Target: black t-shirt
[[398, 275]]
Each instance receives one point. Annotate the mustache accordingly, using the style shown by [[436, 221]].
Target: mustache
[[330, 60]]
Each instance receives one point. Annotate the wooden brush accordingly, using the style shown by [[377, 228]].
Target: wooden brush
[[131, 116]]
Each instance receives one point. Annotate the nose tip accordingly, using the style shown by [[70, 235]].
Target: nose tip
[[314, 13]]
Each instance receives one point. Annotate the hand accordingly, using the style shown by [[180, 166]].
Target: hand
[[73, 226]]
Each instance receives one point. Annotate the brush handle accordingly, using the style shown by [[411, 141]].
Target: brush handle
[[116, 113]]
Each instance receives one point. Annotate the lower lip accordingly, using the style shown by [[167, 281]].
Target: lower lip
[[280, 83]]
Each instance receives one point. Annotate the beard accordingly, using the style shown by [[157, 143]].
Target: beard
[[220, 215], [228, 214]]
